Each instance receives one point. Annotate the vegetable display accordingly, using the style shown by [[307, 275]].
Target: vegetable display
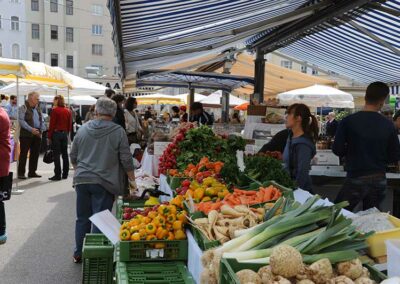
[[287, 266], [317, 232], [161, 222]]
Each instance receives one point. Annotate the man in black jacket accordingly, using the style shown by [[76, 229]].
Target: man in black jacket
[[199, 115]]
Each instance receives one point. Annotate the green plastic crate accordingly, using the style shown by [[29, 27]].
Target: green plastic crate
[[145, 250], [152, 272], [97, 258], [121, 204], [229, 267]]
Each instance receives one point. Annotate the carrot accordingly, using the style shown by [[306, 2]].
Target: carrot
[[268, 194]]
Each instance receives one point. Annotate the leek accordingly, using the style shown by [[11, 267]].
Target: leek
[[334, 257], [281, 227]]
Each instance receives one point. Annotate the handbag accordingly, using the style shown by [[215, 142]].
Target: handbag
[[5, 187], [48, 157]]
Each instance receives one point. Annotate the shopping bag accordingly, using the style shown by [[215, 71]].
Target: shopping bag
[[48, 157], [5, 187]]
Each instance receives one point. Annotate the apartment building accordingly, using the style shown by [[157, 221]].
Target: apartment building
[[75, 35], [12, 29]]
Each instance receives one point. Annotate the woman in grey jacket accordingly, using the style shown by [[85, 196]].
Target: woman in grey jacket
[[101, 158], [300, 147]]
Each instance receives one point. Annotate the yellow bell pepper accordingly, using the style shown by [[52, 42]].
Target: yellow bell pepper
[[146, 220], [171, 236], [124, 226], [134, 229], [124, 235], [142, 233], [181, 216], [159, 221], [198, 194], [177, 225], [172, 209], [134, 222], [151, 228], [171, 218], [151, 237], [152, 214], [180, 235], [206, 198], [135, 237], [163, 210]]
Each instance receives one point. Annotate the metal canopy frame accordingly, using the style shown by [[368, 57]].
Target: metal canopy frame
[[291, 32]]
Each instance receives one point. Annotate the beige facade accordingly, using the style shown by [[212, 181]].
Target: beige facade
[[75, 35]]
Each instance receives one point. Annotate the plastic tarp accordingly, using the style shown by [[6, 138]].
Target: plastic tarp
[[215, 99], [197, 97], [317, 96]]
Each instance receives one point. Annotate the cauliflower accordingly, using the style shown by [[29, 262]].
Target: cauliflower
[[352, 269], [341, 280], [286, 261], [321, 271], [247, 276], [266, 275], [365, 273], [364, 280]]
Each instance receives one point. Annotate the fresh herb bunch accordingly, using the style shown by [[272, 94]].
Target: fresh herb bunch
[[262, 168], [202, 142]]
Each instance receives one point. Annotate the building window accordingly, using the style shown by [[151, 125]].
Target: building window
[[15, 51], [36, 56], [97, 29], [69, 7], [69, 34], [70, 61], [53, 32], [97, 49], [54, 59], [14, 1], [0, 22], [14, 23], [35, 31], [97, 10], [35, 5], [286, 64], [54, 6], [1, 50], [304, 68], [314, 71]]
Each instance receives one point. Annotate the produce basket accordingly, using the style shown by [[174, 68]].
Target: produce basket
[[97, 257], [229, 267], [154, 250], [121, 204], [199, 237], [152, 272], [376, 243]]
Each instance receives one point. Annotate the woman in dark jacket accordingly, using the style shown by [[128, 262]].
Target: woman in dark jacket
[[119, 117], [300, 147]]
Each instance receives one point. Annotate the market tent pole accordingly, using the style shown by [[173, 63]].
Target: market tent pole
[[191, 99], [259, 78], [225, 94]]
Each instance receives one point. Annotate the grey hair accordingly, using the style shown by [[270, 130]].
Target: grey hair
[[106, 106], [31, 94], [332, 114]]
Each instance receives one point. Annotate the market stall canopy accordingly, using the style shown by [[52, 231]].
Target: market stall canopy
[[317, 96], [186, 79], [81, 86], [31, 72], [197, 97], [277, 79], [157, 99], [364, 46], [152, 34], [215, 100], [76, 100]]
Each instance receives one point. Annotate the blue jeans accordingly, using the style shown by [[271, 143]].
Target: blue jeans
[[370, 191], [90, 199]]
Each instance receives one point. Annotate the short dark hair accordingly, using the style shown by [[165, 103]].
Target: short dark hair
[[129, 104], [175, 109], [109, 93], [118, 98], [12, 97], [376, 92], [196, 106]]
